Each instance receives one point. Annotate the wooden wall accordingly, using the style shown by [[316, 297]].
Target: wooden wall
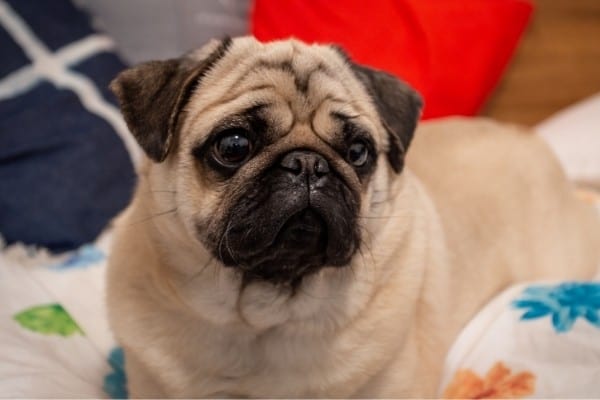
[[557, 63]]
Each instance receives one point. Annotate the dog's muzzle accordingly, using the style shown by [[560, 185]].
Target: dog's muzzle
[[298, 217]]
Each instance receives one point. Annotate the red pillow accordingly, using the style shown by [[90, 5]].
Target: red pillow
[[453, 51]]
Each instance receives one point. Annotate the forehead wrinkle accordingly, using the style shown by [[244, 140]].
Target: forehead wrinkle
[[330, 99], [298, 61], [293, 53], [346, 78], [236, 65], [257, 79], [301, 76], [235, 95], [258, 65], [327, 99], [292, 57], [347, 93], [199, 113]]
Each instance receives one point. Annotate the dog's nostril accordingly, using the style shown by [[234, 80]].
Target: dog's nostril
[[321, 167], [292, 163], [305, 162]]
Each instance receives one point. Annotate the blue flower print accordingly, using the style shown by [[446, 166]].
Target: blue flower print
[[115, 383], [565, 303], [85, 256]]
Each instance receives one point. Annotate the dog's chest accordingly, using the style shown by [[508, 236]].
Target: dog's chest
[[261, 366]]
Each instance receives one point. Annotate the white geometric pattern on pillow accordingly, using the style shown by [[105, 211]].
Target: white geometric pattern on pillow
[[54, 67]]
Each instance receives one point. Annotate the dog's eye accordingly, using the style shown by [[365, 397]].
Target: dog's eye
[[233, 147], [358, 153]]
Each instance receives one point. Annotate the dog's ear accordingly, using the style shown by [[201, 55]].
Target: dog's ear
[[399, 107], [153, 94]]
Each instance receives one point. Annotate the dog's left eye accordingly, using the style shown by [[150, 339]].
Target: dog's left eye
[[233, 147], [358, 153]]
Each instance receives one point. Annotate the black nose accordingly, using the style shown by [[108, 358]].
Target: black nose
[[305, 162]]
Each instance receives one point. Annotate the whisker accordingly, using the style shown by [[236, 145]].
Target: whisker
[[369, 247], [382, 216], [197, 274], [229, 248], [225, 240], [173, 210]]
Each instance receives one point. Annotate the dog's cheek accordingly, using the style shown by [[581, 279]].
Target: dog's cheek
[[210, 222], [198, 208]]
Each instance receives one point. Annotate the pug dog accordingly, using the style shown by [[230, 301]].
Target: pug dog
[[289, 237]]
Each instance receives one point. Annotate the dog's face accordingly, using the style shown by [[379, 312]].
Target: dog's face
[[271, 149]]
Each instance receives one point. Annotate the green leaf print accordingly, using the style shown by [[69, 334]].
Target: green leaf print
[[48, 319]]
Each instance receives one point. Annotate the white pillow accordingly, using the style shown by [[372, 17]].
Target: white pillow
[[574, 135]]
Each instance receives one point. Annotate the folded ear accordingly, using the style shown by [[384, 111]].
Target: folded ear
[[399, 107], [153, 94]]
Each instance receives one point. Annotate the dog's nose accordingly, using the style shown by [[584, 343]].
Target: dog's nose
[[305, 162]]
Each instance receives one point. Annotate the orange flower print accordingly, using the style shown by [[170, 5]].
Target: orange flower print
[[498, 383]]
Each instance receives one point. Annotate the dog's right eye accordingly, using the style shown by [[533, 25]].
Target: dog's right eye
[[233, 147]]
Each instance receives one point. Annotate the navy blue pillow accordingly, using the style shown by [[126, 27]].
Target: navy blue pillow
[[64, 168]]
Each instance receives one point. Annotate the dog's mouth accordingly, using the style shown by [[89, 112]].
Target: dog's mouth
[[290, 248], [305, 229], [299, 248]]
